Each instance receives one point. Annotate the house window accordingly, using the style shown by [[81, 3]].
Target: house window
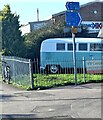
[[83, 46], [60, 46]]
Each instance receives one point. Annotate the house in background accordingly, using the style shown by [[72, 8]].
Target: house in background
[[25, 29], [39, 24], [32, 26], [91, 14]]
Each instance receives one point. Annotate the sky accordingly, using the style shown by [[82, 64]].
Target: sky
[[27, 9]]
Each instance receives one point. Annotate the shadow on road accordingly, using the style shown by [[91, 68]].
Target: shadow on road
[[5, 97], [34, 117], [18, 116]]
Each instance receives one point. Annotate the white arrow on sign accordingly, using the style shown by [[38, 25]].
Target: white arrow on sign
[[73, 19]]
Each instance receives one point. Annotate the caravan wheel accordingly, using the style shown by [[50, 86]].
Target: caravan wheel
[[54, 68]]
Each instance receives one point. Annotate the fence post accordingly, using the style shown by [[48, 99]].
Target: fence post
[[84, 77], [31, 74], [14, 70]]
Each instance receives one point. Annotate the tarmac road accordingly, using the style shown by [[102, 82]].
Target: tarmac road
[[81, 101]]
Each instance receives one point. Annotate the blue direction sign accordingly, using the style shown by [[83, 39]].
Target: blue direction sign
[[72, 6], [73, 19]]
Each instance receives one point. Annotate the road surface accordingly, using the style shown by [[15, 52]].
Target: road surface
[[81, 101]]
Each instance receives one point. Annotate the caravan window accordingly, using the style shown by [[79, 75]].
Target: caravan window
[[70, 46], [83, 46], [96, 47], [60, 46]]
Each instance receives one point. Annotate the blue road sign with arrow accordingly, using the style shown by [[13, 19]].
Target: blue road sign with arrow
[[73, 19], [72, 6]]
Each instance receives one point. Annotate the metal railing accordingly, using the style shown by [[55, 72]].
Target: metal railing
[[91, 71], [29, 74]]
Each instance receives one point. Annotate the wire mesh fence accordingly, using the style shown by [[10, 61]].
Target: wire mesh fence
[[0, 70], [16, 70]]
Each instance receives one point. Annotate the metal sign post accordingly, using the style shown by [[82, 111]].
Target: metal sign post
[[73, 20], [74, 56]]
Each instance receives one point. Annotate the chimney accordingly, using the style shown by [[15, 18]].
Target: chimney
[[37, 14]]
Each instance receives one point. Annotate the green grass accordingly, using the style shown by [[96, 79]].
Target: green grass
[[63, 79], [43, 81]]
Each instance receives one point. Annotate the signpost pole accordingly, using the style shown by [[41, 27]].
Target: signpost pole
[[74, 58], [73, 20]]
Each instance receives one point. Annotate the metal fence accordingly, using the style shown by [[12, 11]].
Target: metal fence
[[28, 74], [16, 70], [0, 69], [91, 71]]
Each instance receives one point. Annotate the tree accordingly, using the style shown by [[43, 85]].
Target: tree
[[33, 40], [12, 41]]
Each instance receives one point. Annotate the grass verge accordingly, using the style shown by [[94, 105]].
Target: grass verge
[[42, 81], [49, 81]]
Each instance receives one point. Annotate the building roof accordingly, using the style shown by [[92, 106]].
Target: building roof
[[43, 21], [60, 13], [84, 5], [91, 3]]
